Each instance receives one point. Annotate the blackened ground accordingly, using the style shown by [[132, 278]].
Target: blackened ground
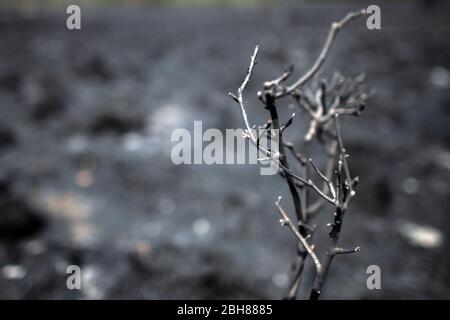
[[86, 175]]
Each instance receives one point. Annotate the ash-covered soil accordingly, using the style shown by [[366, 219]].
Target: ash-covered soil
[[86, 176]]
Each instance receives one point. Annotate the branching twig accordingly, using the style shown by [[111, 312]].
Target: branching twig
[[323, 105], [335, 27], [285, 220]]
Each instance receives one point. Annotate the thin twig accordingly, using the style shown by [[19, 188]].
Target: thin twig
[[288, 222], [335, 27]]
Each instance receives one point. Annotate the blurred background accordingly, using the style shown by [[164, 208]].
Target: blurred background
[[85, 170]]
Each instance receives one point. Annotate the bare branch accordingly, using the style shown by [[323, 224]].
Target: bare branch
[[239, 98], [279, 80], [335, 27], [345, 251], [296, 154], [309, 183], [288, 123], [323, 103], [325, 179], [342, 149], [288, 222]]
